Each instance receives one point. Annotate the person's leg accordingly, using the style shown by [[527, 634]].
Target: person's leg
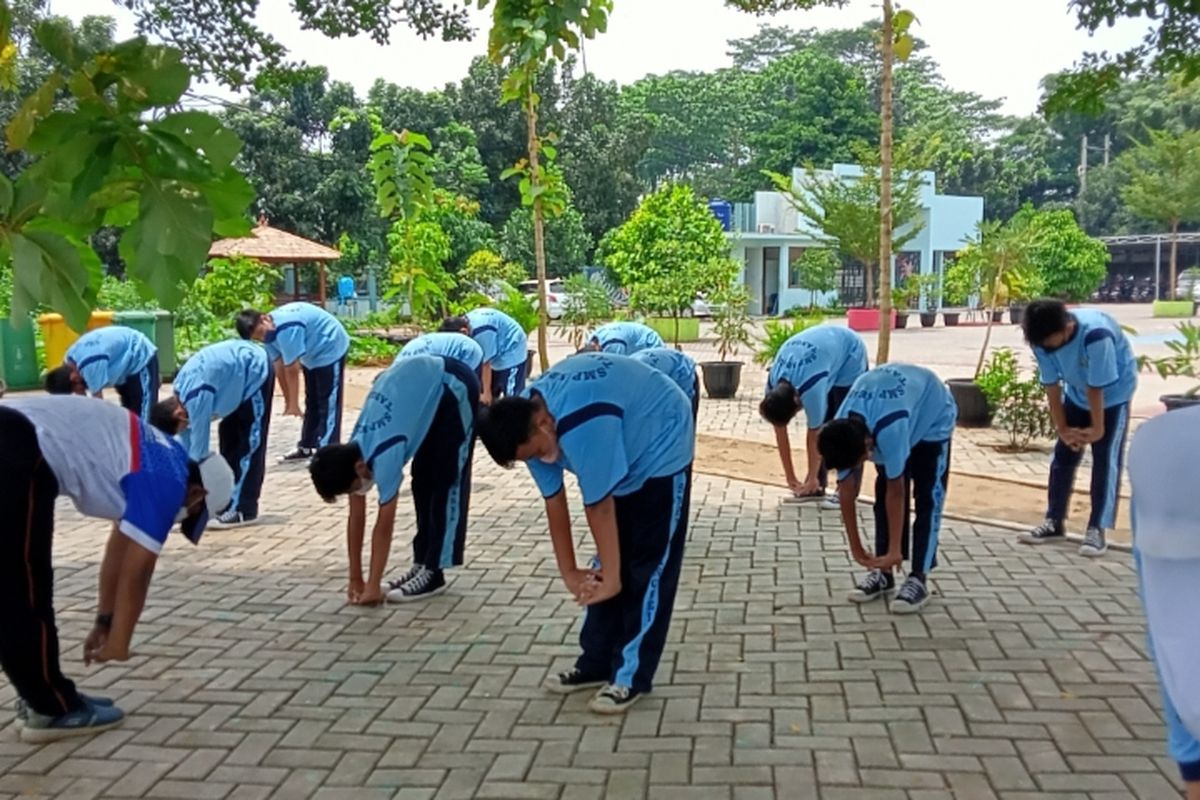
[[929, 470], [499, 383], [1063, 466], [438, 458], [515, 381], [233, 443], [129, 392], [332, 432], [464, 388], [28, 636], [1108, 459], [312, 410], [260, 429]]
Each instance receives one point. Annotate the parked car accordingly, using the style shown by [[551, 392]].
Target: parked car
[[1188, 286], [556, 295]]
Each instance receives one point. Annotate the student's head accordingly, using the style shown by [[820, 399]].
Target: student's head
[[209, 491], [781, 404], [1048, 324], [253, 324], [65, 380], [169, 416], [592, 345], [456, 325], [845, 443], [518, 429], [339, 469]]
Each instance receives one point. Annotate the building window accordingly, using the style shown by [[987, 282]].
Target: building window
[[794, 256]]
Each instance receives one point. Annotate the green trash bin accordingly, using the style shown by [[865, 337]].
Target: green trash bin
[[164, 338], [147, 323], [18, 355]]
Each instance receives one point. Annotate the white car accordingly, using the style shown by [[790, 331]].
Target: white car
[[556, 295]]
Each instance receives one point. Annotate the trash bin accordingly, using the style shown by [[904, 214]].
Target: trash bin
[[18, 355], [164, 339], [57, 336]]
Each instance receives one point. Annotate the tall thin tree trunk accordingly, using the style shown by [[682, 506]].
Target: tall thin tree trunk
[[987, 336], [1171, 293], [887, 46], [539, 230]]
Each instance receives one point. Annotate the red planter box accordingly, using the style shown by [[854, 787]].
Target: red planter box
[[866, 319]]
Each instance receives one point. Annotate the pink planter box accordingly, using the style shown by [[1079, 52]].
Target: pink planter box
[[866, 319]]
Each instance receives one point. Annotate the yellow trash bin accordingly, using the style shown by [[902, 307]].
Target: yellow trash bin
[[57, 336]]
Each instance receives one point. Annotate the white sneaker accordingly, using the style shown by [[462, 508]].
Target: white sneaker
[[831, 502]]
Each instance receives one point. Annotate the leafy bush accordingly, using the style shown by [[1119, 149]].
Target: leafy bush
[[370, 351], [1072, 264], [1019, 404], [520, 308], [231, 284], [731, 321], [1000, 371], [778, 332], [121, 295], [586, 303], [1184, 359], [485, 268]]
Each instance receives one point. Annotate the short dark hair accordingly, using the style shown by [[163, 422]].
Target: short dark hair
[[162, 416], [246, 321], [59, 380], [333, 469], [843, 442], [1043, 319], [454, 325], [780, 406], [504, 426]]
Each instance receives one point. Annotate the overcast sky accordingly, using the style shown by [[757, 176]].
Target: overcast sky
[[996, 49]]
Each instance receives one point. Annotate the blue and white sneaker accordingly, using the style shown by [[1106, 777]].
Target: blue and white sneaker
[[912, 596], [86, 720], [874, 585], [23, 708]]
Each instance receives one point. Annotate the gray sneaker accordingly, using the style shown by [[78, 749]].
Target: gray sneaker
[[84, 721], [1094, 543], [874, 585], [1051, 530]]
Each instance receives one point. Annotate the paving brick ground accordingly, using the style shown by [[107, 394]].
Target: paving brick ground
[[1025, 678]]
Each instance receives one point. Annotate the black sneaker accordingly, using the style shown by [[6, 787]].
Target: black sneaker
[[874, 585], [299, 454], [395, 584], [571, 681], [1051, 530], [912, 596], [613, 699], [1094, 544], [426, 583], [232, 519]]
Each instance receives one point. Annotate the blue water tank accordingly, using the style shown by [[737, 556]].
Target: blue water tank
[[723, 211]]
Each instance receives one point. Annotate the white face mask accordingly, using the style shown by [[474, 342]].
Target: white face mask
[[366, 487]]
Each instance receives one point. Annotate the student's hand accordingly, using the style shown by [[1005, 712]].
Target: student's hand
[[1071, 438], [1089, 435], [596, 589], [486, 398], [369, 596], [886, 562], [806, 488], [94, 642], [106, 653], [293, 411]]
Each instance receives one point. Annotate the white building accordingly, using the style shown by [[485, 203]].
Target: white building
[[769, 235]]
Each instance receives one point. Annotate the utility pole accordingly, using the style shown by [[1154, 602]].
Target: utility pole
[[1083, 164], [1107, 147]]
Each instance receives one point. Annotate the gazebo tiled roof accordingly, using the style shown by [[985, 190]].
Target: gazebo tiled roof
[[273, 246]]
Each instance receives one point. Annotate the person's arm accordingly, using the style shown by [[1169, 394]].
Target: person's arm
[[558, 519], [848, 489], [281, 377], [381, 547], [602, 519], [114, 554], [133, 574], [894, 502], [485, 389], [1058, 415], [195, 437], [291, 399], [1095, 432], [812, 481], [356, 524], [784, 443]]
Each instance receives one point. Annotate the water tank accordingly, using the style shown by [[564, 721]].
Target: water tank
[[723, 211]]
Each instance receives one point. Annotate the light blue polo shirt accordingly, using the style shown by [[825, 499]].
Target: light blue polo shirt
[[816, 360], [214, 382], [626, 338], [675, 364], [451, 345], [902, 405], [505, 344], [619, 423], [108, 356], [1098, 356], [310, 334]]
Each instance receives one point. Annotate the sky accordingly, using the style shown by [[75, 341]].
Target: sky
[[996, 49]]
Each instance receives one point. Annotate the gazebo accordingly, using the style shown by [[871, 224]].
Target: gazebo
[[273, 246]]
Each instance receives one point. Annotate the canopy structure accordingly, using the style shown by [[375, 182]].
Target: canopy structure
[[273, 246]]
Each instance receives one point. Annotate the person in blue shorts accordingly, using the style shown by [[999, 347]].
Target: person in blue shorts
[[303, 338], [1166, 551], [901, 417], [230, 381], [421, 409], [813, 371], [112, 356], [676, 365], [505, 350], [449, 345], [1089, 372], [623, 338], [625, 430], [113, 466]]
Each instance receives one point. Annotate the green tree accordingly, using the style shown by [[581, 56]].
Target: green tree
[[566, 241], [1164, 184], [816, 271], [1070, 263], [457, 165], [485, 268]]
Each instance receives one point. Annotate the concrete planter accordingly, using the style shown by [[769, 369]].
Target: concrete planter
[[1174, 308], [865, 319], [689, 328]]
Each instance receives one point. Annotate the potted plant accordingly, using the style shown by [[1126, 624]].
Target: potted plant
[[925, 287], [732, 325], [956, 287], [1184, 361], [904, 296], [778, 331], [1017, 405]]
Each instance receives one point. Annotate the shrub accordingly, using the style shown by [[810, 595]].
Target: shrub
[[778, 332], [1018, 403], [586, 303]]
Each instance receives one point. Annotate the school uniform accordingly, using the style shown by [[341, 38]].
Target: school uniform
[[122, 358], [1097, 356], [314, 337], [821, 364], [449, 345], [112, 466], [625, 338], [232, 381], [422, 409], [677, 366], [505, 348], [1166, 550], [625, 430], [910, 415]]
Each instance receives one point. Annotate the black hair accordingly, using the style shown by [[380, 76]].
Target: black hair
[[455, 325], [843, 442], [246, 321], [504, 426], [60, 380], [334, 469], [1043, 319], [780, 406], [162, 416]]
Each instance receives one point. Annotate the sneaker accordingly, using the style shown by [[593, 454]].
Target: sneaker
[[613, 699], [912, 596], [1094, 544], [232, 519], [830, 502], [1051, 530], [425, 583], [807, 498], [873, 586], [87, 719], [23, 708], [571, 681], [393, 585], [299, 454]]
